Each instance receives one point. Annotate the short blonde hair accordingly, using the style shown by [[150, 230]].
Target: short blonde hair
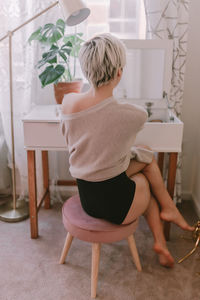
[[101, 57]]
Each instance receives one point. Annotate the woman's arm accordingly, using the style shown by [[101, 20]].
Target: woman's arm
[[142, 154]]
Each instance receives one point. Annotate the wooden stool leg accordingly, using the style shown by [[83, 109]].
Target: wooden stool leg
[[95, 268], [133, 248], [66, 247]]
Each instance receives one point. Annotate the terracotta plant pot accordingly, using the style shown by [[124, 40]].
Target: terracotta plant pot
[[62, 88]]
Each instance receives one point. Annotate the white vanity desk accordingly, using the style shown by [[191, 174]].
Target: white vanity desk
[[42, 131]]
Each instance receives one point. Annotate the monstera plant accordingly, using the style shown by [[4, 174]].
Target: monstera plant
[[59, 58]]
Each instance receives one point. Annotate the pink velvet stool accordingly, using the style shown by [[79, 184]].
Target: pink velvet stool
[[96, 231]]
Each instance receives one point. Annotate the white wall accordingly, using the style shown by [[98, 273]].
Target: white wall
[[191, 110]]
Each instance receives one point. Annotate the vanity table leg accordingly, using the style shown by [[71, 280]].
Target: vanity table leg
[[45, 168], [32, 193], [170, 186]]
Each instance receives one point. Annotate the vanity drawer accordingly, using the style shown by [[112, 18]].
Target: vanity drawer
[[161, 137], [43, 135]]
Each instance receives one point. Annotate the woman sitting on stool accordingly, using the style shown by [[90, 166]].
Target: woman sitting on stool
[[99, 133]]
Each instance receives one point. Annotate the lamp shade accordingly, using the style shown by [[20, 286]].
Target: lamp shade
[[74, 11]]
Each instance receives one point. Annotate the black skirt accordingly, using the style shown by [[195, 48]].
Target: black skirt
[[110, 199]]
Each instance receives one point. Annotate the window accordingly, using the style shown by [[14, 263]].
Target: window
[[124, 18]]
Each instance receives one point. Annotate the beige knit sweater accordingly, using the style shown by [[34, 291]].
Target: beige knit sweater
[[100, 138]]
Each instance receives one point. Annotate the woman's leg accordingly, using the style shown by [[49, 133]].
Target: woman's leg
[[145, 204], [141, 198], [169, 211], [152, 216]]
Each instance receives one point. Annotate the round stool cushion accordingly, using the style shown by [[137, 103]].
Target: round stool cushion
[[84, 227]]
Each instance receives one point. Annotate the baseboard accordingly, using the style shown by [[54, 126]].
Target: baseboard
[[187, 196], [196, 205]]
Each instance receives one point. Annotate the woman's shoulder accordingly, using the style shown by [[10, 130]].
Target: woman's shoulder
[[82, 103], [71, 103]]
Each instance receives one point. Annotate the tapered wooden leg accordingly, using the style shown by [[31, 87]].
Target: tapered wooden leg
[[161, 161], [170, 186], [134, 252], [66, 247], [32, 193], [95, 268], [45, 168]]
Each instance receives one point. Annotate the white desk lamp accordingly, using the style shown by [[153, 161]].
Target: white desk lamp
[[74, 12]]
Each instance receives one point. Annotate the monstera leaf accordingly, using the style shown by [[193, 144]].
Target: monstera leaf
[[49, 56], [75, 41], [49, 33], [51, 74]]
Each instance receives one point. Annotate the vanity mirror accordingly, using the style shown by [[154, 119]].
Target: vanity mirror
[[146, 78], [146, 67], [146, 81], [147, 73]]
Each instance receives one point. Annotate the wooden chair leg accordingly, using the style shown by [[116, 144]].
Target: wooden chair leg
[[134, 252], [66, 247], [95, 268]]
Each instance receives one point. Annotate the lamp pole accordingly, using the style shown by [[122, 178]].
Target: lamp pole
[[11, 120]]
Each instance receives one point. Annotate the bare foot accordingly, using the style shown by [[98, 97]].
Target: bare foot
[[172, 214], [165, 258]]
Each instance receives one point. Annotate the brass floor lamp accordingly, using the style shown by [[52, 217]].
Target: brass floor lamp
[[74, 13]]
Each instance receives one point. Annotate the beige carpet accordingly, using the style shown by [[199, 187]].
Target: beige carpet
[[29, 269]]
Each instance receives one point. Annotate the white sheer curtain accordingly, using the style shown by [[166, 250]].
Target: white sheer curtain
[[169, 19], [26, 86]]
